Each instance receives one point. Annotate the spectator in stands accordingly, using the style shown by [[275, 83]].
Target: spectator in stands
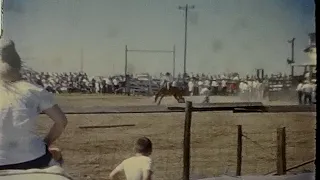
[[138, 167], [307, 89], [20, 104], [299, 92], [224, 87], [190, 86], [215, 87]]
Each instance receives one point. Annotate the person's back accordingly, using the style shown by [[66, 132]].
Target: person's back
[[18, 143], [138, 167], [135, 166], [20, 104]]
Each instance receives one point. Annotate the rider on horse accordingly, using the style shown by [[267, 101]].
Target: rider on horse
[[167, 80]]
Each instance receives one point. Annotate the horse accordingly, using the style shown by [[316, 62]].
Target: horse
[[174, 91]]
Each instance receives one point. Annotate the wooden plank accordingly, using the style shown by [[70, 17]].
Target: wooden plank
[[220, 106], [118, 109], [186, 141], [106, 126], [281, 151], [244, 110], [256, 107], [235, 107], [239, 151], [293, 167], [291, 108]]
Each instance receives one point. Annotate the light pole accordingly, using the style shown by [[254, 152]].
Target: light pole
[[81, 60], [186, 9], [291, 61]]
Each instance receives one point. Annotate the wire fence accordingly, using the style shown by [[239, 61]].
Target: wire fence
[[93, 153]]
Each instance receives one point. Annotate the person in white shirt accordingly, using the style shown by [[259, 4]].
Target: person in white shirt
[[243, 86], [116, 86], [307, 89], [20, 104], [167, 80], [200, 86], [299, 92], [215, 87], [138, 167], [191, 86], [224, 87], [205, 91]]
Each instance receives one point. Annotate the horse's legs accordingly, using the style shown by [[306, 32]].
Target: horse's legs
[[176, 97], [156, 96], [159, 102]]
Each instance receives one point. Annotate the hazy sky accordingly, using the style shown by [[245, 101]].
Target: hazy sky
[[223, 35]]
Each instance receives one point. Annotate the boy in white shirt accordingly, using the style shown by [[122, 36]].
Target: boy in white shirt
[[139, 166]]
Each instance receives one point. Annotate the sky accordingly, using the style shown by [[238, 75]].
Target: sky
[[223, 35]]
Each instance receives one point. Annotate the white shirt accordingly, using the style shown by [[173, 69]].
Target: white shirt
[[254, 84], [135, 166], [223, 83], [307, 88], [207, 83], [214, 83], [299, 87], [108, 82], [174, 84], [190, 85], [20, 105], [243, 86], [115, 82], [205, 91]]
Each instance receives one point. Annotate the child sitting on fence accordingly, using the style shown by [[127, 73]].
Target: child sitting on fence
[[137, 167]]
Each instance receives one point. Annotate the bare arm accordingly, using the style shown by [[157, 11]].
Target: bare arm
[[147, 172], [60, 122], [147, 175], [118, 169]]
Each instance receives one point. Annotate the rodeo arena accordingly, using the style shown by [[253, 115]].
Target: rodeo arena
[[257, 97], [259, 126]]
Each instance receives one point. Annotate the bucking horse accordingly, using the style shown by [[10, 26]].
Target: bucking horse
[[176, 91]]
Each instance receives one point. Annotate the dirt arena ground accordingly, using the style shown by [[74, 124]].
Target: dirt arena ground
[[93, 153]]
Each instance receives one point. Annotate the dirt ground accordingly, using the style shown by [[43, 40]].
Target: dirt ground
[[93, 153]]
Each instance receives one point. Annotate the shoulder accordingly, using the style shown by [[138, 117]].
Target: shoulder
[[145, 159], [24, 85]]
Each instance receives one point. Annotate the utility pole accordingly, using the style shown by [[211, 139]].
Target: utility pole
[[186, 9], [127, 90], [81, 58], [174, 61], [1, 18], [291, 61]]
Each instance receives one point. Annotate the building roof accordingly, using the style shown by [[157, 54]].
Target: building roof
[[308, 49]]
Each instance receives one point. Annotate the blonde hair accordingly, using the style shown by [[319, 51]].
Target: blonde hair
[[10, 62]]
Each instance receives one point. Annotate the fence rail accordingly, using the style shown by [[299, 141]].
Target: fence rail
[[243, 107], [281, 164]]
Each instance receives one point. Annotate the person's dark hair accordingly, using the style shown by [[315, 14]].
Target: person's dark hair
[[143, 145]]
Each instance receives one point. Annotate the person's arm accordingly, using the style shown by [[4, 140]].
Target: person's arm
[[116, 170], [60, 122], [54, 112], [147, 170]]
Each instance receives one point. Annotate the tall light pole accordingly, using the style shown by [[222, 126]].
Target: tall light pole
[[185, 9], [291, 61], [81, 59]]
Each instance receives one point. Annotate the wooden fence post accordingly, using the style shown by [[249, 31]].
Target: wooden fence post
[[281, 151], [186, 141], [239, 151]]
